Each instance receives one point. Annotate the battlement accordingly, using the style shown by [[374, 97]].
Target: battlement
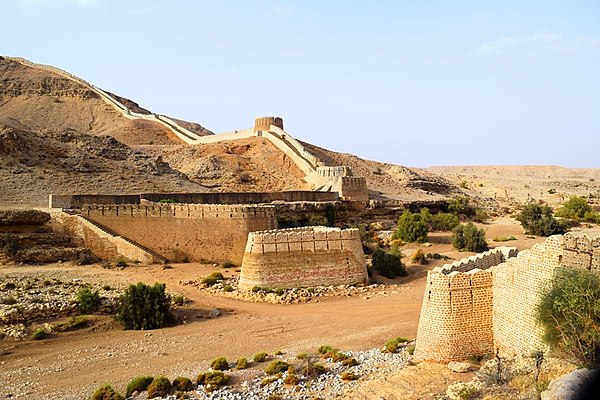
[[298, 257], [582, 251], [495, 309], [195, 211], [334, 172], [264, 123], [484, 260], [354, 188]]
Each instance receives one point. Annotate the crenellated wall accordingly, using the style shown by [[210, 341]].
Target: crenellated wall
[[514, 292], [456, 316], [354, 188], [264, 123], [302, 257], [195, 231]]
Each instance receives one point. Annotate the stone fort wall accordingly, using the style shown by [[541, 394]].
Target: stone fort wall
[[514, 290], [196, 231], [300, 257]]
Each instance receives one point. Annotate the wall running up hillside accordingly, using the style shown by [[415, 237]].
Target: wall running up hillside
[[195, 231], [301, 257]]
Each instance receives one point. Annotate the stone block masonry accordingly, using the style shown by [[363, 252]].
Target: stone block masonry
[[302, 257], [194, 231], [508, 300]]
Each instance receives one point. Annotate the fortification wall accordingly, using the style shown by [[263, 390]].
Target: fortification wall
[[456, 316], [264, 123], [302, 257], [334, 172], [196, 231], [582, 251], [354, 188], [484, 260], [517, 287], [76, 201]]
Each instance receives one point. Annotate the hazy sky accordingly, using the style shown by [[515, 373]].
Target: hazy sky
[[416, 83]]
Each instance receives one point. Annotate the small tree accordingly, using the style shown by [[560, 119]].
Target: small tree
[[569, 312], [539, 220], [468, 237], [575, 208], [387, 264], [88, 301], [144, 307], [412, 227]]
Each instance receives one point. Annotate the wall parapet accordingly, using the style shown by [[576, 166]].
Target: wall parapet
[[194, 211], [484, 260], [298, 257]]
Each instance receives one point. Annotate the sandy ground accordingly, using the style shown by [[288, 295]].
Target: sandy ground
[[71, 365]]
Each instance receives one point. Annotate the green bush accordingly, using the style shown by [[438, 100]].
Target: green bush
[[468, 237], [349, 376], [178, 299], [592, 216], [301, 356], [159, 387], [212, 279], [461, 206], [443, 221], [411, 227], [39, 334], [317, 220], [241, 363], [183, 384], [575, 208], [313, 370], [330, 214], [144, 307], [260, 357], [291, 379], [324, 349], [569, 312], [106, 392], [138, 384], [212, 379], [350, 362], [276, 367], [539, 220], [388, 265], [219, 364], [88, 301], [391, 346]]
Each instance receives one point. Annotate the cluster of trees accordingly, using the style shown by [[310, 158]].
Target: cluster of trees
[[539, 219]]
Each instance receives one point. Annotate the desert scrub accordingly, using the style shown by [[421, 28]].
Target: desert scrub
[[469, 237], [219, 364], [350, 362], [349, 376], [88, 301], [260, 357], [291, 379], [121, 262], [183, 384], [388, 264], [106, 392], [212, 379], [301, 356], [276, 367], [138, 384], [270, 379], [336, 356], [324, 349], [504, 239], [410, 349], [419, 257], [391, 346], [74, 323], [178, 300], [313, 370], [212, 279], [241, 363], [228, 288], [39, 334], [144, 307], [159, 387]]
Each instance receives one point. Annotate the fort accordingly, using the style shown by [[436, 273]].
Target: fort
[[301, 257], [487, 302]]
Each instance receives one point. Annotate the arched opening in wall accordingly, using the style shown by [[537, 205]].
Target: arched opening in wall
[[560, 259]]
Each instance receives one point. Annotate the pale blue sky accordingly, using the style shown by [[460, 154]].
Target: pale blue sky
[[415, 83]]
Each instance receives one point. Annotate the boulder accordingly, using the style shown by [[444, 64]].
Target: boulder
[[568, 386], [460, 367]]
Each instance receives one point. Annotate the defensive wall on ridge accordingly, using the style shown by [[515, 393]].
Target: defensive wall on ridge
[[301, 257], [195, 231], [487, 302]]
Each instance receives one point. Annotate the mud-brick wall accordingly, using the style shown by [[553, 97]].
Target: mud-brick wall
[[354, 188], [196, 231], [456, 316], [582, 251], [303, 257], [518, 284], [484, 260]]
